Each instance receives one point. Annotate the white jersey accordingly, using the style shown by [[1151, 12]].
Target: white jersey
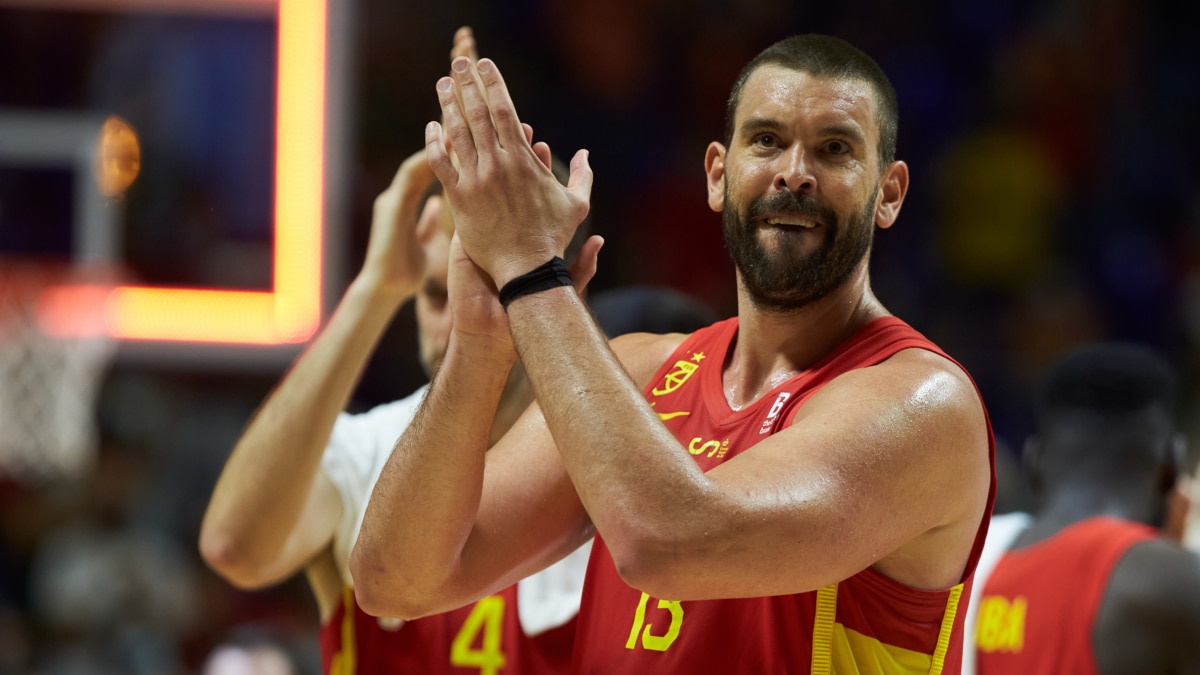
[[1002, 532], [359, 448]]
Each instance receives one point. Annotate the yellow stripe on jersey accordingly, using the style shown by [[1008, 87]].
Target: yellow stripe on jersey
[[853, 650], [837, 649], [345, 661], [823, 626], [943, 643]]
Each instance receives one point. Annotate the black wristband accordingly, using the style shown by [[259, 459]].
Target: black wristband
[[550, 274]]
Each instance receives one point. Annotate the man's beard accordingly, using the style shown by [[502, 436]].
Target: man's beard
[[787, 279]]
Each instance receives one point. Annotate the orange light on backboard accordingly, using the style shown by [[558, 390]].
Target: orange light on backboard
[[118, 157], [291, 311]]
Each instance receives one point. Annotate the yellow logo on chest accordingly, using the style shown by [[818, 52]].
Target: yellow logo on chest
[[678, 375], [698, 446]]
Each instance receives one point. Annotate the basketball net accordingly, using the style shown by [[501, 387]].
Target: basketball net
[[49, 376]]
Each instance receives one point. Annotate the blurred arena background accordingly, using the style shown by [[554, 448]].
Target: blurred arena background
[[186, 188]]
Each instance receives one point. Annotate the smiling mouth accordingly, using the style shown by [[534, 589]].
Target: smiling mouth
[[792, 221]]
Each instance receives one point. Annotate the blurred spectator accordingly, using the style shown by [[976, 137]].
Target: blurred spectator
[[108, 595]]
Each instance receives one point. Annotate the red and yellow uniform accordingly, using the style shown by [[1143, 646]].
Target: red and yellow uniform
[[1040, 603], [485, 638], [527, 628], [867, 623]]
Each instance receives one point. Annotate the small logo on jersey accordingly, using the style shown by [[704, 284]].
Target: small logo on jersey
[[776, 408], [698, 446], [675, 379]]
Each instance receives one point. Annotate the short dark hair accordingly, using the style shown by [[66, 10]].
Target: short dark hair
[[1109, 379], [1106, 424], [826, 56]]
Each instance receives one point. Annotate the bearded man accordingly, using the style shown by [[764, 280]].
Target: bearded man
[[804, 487]]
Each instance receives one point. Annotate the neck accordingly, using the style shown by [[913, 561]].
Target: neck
[[1068, 506], [773, 346]]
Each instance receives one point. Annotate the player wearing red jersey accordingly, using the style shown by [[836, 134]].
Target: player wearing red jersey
[[483, 638], [878, 487], [901, 628], [1091, 587]]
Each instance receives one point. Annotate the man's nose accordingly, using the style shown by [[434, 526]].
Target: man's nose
[[795, 172]]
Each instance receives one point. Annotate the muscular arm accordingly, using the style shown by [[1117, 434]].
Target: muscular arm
[[437, 534], [770, 521], [886, 467], [272, 510], [449, 520]]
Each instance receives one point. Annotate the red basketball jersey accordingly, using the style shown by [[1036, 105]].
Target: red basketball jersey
[[867, 623], [481, 639], [1039, 605]]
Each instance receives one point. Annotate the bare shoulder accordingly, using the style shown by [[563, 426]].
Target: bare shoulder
[[899, 451], [928, 367], [643, 353], [1151, 611], [928, 387], [912, 428], [938, 378], [1159, 582]]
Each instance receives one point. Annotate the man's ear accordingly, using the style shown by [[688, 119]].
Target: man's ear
[[892, 188], [714, 166]]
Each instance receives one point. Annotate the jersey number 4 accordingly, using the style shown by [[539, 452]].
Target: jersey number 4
[[487, 617]]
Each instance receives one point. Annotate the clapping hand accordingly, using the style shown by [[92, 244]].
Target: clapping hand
[[511, 213]]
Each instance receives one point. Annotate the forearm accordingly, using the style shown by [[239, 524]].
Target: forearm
[[263, 488], [426, 501], [634, 480]]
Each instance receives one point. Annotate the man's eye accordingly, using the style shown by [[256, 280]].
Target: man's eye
[[837, 148], [765, 140]]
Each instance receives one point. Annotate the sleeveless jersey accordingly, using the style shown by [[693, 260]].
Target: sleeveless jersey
[[867, 623], [1039, 605], [480, 639], [527, 628]]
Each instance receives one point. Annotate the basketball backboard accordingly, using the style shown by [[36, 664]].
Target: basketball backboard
[[230, 316]]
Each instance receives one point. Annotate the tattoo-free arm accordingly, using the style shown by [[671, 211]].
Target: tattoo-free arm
[[886, 467], [449, 520], [272, 509]]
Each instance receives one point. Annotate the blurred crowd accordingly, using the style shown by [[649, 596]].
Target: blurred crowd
[[1055, 200]]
